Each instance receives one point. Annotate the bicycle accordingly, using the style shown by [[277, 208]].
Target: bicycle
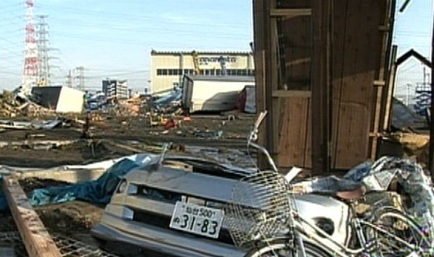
[[263, 217]]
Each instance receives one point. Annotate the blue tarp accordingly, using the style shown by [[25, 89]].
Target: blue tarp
[[97, 191], [3, 202], [166, 101]]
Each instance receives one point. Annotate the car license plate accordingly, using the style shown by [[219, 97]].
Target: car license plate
[[197, 219]]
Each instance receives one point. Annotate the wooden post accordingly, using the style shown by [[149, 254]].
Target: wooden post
[[431, 124], [390, 90], [271, 73], [321, 86], [380, 82], [260, 70], [266, 70], [37, 240]]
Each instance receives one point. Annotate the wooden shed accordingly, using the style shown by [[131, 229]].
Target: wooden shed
[[322, 69]]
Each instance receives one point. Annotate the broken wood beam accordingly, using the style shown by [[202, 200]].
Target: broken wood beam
[[292, 93], [125, 147], [290, 13], [36, 238]]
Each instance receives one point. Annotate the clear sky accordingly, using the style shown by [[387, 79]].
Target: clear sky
[[114, 38], [413, 30]]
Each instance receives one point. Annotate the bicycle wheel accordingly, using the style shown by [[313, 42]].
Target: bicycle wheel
[[398, 235], [281, 248]]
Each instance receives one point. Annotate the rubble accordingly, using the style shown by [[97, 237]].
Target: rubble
[[135, 106], [131, 126], [169, 103], [209, 134], [415, 146], [14, 105], [35, 124]]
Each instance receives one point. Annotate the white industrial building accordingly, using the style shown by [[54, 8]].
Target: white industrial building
[[168, 68], [113, 88]]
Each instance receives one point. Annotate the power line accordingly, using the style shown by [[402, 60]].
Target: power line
[[135, 24], [142, 17], [170, 32], [414, 65]]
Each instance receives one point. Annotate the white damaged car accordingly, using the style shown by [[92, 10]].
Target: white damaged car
[[175, 208]]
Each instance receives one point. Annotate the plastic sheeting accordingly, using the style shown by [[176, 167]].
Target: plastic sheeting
[[98, 191], [247, 99], [3, 202], [46, 124]]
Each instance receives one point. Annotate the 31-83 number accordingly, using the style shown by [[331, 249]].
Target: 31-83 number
[[206, 226]]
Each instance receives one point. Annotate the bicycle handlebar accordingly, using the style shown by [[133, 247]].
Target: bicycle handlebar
[[254, 137], [260, 119], [254, 132], [267, 154]]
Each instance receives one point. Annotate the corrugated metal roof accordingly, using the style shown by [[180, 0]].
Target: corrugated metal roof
[[222, 78], [154, 52]]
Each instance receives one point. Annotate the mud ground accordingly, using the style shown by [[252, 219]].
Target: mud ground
[[111, 137], [219, 137]]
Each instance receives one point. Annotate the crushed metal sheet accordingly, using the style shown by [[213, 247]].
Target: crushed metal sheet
[[68, 247]]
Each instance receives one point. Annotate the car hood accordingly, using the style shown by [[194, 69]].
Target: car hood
[[207, 180]]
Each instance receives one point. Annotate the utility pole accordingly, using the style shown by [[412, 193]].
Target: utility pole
[[407, 94], [424, 76]]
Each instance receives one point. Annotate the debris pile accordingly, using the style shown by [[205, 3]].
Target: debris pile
[[415, 146], [170, 103], [96, 101], [13, 105], [134, 106]]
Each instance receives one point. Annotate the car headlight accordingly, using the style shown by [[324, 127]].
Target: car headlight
[[122, 186]]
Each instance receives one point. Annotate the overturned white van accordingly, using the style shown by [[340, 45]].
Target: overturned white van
[[212, 93]]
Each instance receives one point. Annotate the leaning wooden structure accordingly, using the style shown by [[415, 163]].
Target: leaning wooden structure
[[322, 71]]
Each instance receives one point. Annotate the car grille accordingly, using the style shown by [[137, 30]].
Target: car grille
[[158, 194]]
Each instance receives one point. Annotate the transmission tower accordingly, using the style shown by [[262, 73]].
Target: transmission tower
[[44, 74], [30, 72], [80, 78], [69, 79]]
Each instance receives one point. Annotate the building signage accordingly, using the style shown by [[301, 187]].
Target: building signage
[[227, 59]]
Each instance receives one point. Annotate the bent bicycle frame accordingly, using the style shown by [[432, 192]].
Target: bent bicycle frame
[[325, 241], [300, 226]]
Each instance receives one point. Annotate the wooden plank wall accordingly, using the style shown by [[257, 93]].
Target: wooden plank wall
[[358, 58], [357, 62], [294, 128]]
